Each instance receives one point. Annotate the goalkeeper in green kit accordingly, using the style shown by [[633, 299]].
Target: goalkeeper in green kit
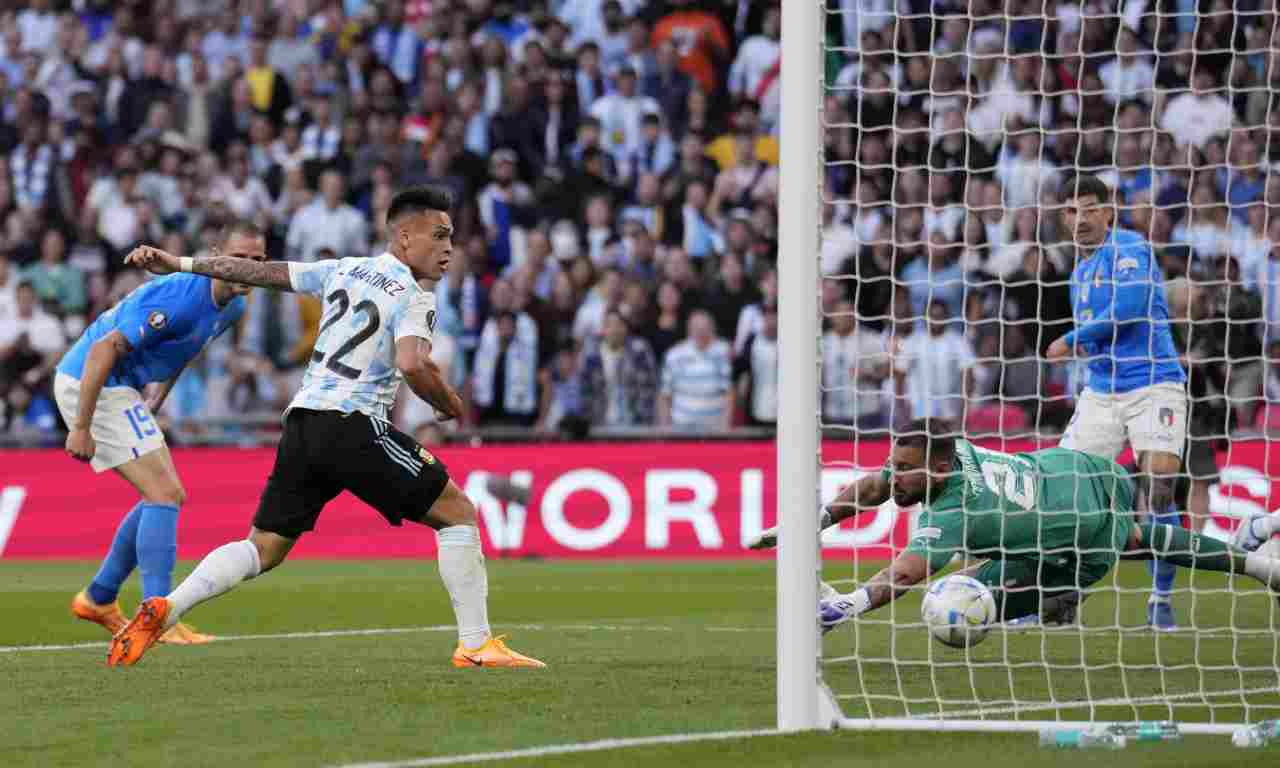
[[1047, 524]]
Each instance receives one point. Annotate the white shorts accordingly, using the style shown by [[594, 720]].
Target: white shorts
[[1149, 419], [122, 424]]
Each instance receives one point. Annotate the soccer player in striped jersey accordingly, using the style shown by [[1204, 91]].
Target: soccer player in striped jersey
[[379, 314]]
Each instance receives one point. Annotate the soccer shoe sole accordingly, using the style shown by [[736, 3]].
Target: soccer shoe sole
[[181, 634], [108, 617], [142, 632]]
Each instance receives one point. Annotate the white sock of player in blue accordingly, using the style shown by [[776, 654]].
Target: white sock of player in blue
[[219, 571], [463, 573]]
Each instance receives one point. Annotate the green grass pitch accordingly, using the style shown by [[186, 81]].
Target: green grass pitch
[[635, 649]]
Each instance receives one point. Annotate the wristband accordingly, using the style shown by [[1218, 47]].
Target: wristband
[[185, 263], [824, 520]]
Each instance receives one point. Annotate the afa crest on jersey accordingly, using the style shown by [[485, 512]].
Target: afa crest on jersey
[[157, 320], [1166, 417]]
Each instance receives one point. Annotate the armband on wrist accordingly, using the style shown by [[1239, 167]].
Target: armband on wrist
[[185, 263], [824, 520]]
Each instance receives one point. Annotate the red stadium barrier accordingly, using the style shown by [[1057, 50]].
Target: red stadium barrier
[[633, 500]]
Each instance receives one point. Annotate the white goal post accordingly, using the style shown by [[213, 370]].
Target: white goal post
[[798, 403], [882, 672]]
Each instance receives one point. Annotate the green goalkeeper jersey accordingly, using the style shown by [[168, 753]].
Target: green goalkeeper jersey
[[1056, 505]]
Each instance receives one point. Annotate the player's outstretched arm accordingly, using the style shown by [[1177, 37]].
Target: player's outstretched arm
[[867, 492], [906, 570], [274, 274], [413, 358]]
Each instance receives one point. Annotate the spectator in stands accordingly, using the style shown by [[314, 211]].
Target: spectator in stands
[[935, 368], [36, 171], [756, 372], [244, 194], [123, 215], [669, 86], [696, 390], [664, 332], [1195, 116], [855, 366], [751, 319], [619, 377], [505, 379], [58, 286], [1208, 226], [937, 275], [504, 208], [621, 114], [328, 223], [1025, 170], [729, 295], [604, 298], [31, 341], [1038, 298], [1234, 339], [1130, 74]]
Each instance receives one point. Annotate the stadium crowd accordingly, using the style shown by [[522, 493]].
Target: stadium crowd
[[614, 164]]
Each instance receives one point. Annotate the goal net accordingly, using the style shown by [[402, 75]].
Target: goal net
[[947, 132]]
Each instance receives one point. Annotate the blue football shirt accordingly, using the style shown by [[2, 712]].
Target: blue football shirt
[[1122, 318], [168, 321]]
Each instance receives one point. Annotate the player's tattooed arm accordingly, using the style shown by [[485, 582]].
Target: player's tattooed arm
[[867, 492], [230, 268], [267, 274]]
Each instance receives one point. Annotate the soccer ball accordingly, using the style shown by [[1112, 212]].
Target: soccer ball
[[959, 611]]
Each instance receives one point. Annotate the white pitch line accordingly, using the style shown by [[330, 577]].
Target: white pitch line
[[566, 749], [401, 631]]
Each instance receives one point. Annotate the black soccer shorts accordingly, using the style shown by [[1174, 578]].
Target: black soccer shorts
[[323, 453]]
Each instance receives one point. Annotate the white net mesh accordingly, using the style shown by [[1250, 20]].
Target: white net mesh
[[950, 130]]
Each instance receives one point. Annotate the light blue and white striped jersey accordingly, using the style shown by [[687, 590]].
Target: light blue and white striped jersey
[[697, 381], [369, 304]]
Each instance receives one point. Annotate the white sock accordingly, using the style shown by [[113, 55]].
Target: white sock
[[218, 572], [462, 571], [1264, 569]]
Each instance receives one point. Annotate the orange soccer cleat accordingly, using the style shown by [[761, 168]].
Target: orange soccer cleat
[[139, 634], [494, 653], [107, 616]]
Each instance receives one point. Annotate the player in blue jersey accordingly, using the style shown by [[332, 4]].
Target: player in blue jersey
[[146, 339], [1136, 388]]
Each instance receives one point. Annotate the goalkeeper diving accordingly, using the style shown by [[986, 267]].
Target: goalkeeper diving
[[1046, 525]]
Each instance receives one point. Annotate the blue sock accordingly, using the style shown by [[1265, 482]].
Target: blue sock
[[120, 561], [157, 548], [1163, 573]]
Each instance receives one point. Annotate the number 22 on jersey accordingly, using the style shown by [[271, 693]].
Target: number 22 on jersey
[[339, 358]]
